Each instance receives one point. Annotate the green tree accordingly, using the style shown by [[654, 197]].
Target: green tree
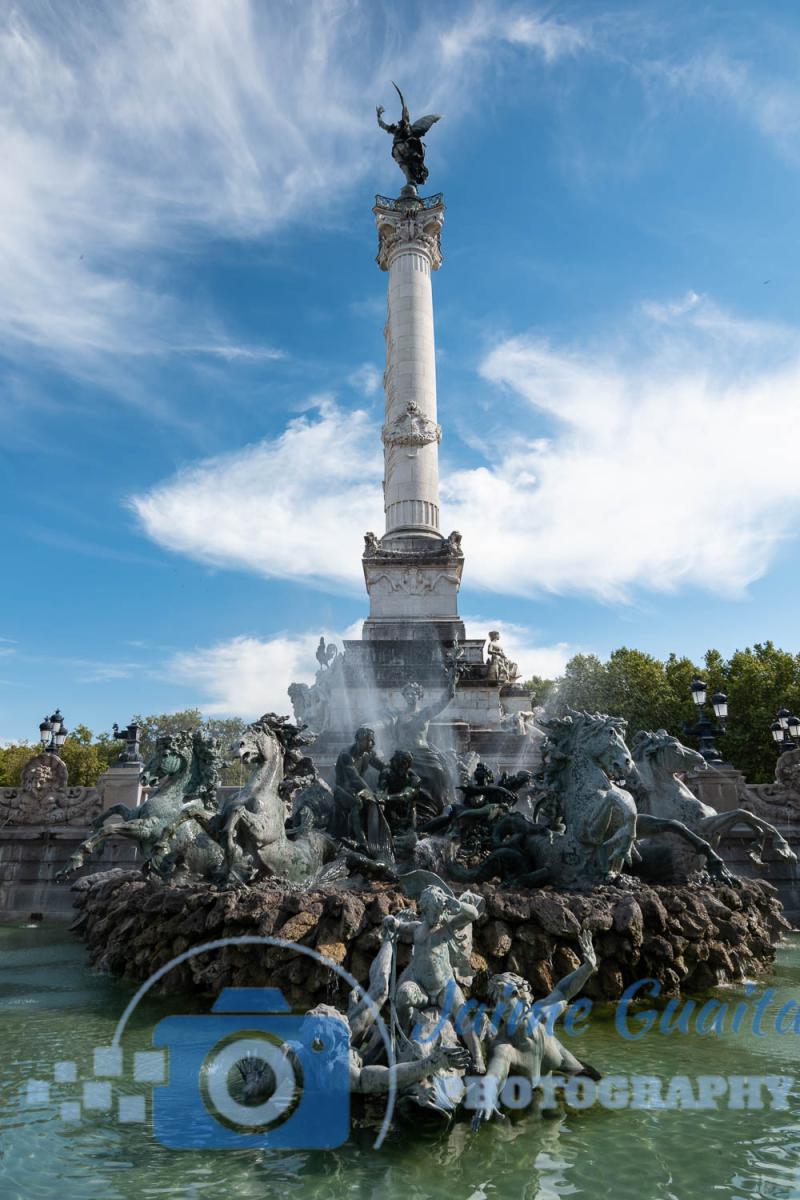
[[758, 681], [86, 757], [227, 729], [651, 694], [540, 689], [12, 760]]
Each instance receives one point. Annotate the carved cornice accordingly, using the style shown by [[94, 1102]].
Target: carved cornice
[[399, 231], [448, 551], [412, 429]]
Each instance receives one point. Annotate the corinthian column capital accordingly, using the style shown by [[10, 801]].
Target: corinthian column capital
[[405, 229]]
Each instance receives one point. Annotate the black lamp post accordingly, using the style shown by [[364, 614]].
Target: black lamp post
[[785, 730], [53, 733], [130, 756], [704, 728]]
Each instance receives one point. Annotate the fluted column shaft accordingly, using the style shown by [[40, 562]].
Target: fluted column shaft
[[410, 250]]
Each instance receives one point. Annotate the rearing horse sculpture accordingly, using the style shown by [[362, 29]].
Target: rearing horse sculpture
[[583, 754], [182, 765], [251, 824], [659, 758]]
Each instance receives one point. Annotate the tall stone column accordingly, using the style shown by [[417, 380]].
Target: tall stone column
[[409, 249], [413, 573]]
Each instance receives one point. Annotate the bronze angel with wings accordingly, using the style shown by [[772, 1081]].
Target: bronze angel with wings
[[408, 148]]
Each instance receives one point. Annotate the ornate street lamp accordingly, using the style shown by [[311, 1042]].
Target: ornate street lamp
[[130, 736], [704, 729], [785, 730], [53, 733]]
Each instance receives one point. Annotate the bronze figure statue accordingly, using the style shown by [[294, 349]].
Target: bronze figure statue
[[408, 148]]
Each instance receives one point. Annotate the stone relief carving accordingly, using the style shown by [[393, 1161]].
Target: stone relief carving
[[778, 799], [414, 582], [45, 798], [412, 429]]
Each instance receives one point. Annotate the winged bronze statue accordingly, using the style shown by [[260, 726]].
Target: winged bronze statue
[[408, 148]]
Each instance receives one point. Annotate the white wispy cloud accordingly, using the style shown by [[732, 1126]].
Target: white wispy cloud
[[487, 25], [129, 129], [247, 676], [767, 101], [652, 462], [230, 352], [662, 469], [366, 379], [296, 507]]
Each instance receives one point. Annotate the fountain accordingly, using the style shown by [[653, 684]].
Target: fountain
[[414, 765]]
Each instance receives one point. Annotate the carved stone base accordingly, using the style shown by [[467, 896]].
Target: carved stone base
[[414, 594]]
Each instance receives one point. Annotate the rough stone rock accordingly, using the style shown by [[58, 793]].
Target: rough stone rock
[[689, 937], [551, 910], [628, 919], [497, 939], [654, 913], [335, 951]]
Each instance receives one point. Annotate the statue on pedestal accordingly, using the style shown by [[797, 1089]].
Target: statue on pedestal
[[408, 148], [500, 665], [312, 704]]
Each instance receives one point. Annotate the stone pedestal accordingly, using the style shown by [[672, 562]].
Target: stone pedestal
[[120, 785], [413, 594], [720, 786]]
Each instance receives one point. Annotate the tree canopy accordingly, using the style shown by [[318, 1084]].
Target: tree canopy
[[87, 756], [653, 694], [227, 729]]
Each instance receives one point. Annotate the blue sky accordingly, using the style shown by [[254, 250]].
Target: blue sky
[[191, 333]]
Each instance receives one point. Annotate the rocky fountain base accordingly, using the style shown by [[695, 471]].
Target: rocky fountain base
[[689, 937]]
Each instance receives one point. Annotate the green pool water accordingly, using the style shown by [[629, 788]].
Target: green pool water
[[54, 1008]]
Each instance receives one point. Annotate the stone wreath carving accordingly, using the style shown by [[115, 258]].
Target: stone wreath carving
[[412, 429]]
